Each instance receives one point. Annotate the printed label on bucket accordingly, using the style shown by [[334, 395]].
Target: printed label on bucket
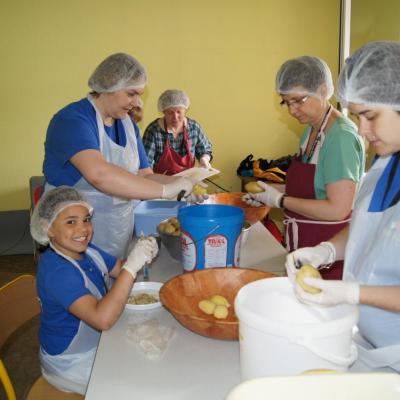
[[189, 251], [216, 251]]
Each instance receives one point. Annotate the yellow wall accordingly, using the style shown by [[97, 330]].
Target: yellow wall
[[374, 20], [224, 53]]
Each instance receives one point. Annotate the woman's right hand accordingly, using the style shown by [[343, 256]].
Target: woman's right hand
[[317, 256], [143, 253], [171, 190]]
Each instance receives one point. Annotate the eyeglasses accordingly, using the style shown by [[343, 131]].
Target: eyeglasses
[[294, 103]]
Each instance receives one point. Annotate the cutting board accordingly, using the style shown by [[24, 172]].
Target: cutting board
[[197, 174]]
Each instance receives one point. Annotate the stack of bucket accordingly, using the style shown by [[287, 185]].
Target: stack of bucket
[[281, 336]]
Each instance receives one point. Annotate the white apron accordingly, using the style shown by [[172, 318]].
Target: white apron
[[113, 217], [373, 258], [70, 370]]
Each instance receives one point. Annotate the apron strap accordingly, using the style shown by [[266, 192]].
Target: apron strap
[[293, 224]]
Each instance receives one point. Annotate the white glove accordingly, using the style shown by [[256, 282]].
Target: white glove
[[205, 161], [171, 190], [144, 251], [320, 255], [332, 292], [270, 196]]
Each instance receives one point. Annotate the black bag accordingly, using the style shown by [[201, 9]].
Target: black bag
[[246, 166]]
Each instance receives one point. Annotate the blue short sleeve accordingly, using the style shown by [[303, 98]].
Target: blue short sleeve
[[144, 162], [71, 130]]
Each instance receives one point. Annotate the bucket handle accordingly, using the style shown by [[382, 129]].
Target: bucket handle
[[342, 361], [203, 238]]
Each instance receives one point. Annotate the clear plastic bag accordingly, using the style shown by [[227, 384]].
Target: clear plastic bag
[[150, 337]]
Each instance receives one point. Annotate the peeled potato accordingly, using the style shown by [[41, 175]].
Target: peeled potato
[[220, 312], [219, 300], [319, 371], [207, 306], [199, 190], [308, 271], [253, 187]]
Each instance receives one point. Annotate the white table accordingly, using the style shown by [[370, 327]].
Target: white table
[[194, 367]]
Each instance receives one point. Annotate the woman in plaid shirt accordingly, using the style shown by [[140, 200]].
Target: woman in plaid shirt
[[174, 142]]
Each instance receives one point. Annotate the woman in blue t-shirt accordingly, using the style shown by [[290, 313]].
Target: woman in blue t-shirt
[[77, 301], [92, 145]]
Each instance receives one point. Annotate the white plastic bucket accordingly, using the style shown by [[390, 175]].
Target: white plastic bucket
[[278, 335]]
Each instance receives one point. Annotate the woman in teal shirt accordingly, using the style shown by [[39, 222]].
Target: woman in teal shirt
[[322, 180]]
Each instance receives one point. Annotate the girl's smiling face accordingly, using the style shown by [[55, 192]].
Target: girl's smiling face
[[71, 231], [380, 126]]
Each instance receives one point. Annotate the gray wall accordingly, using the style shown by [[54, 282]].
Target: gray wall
[[15, 237]]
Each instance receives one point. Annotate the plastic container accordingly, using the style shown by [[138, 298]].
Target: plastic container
[[278, 335], [210, 236], [149, 213], [366, 386]]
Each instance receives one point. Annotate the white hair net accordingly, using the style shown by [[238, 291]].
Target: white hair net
[[116, 72], [304, 75], [173, 98], [371, 76], [49, 206]]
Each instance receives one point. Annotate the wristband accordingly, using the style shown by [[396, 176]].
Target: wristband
[[281, 201]]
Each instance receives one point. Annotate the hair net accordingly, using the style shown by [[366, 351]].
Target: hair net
[[371, 76], [173, 98], [304, 75], [49, 206], [116, 72]]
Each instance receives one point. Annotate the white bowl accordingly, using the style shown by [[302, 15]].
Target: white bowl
[[149, 288]]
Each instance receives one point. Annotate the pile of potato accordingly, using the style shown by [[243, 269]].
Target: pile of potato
[[170, 227], [216, 305]]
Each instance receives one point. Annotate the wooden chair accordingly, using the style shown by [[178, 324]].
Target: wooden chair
[[18, 304]]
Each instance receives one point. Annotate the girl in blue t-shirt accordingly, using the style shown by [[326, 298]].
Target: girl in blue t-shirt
[[73, 285]]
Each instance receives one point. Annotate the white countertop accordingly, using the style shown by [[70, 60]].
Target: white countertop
[[193, 367]]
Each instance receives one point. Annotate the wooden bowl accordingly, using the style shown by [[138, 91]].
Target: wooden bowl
[[181, 295], [252, 214]]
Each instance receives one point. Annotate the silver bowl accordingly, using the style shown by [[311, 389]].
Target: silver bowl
[[172, 243]]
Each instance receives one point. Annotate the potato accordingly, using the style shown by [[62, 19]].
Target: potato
[[253, 187], [162, 226], [174, 222], [219, 300], [311, 272], [170, 229], [207, 306], [220, 312], [319, 371], [199, 190]]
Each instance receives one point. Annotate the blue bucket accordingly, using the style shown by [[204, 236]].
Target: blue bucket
[[210, 236]]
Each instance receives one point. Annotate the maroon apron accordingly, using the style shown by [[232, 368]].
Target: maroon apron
[[170, 162], [300, 183]]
